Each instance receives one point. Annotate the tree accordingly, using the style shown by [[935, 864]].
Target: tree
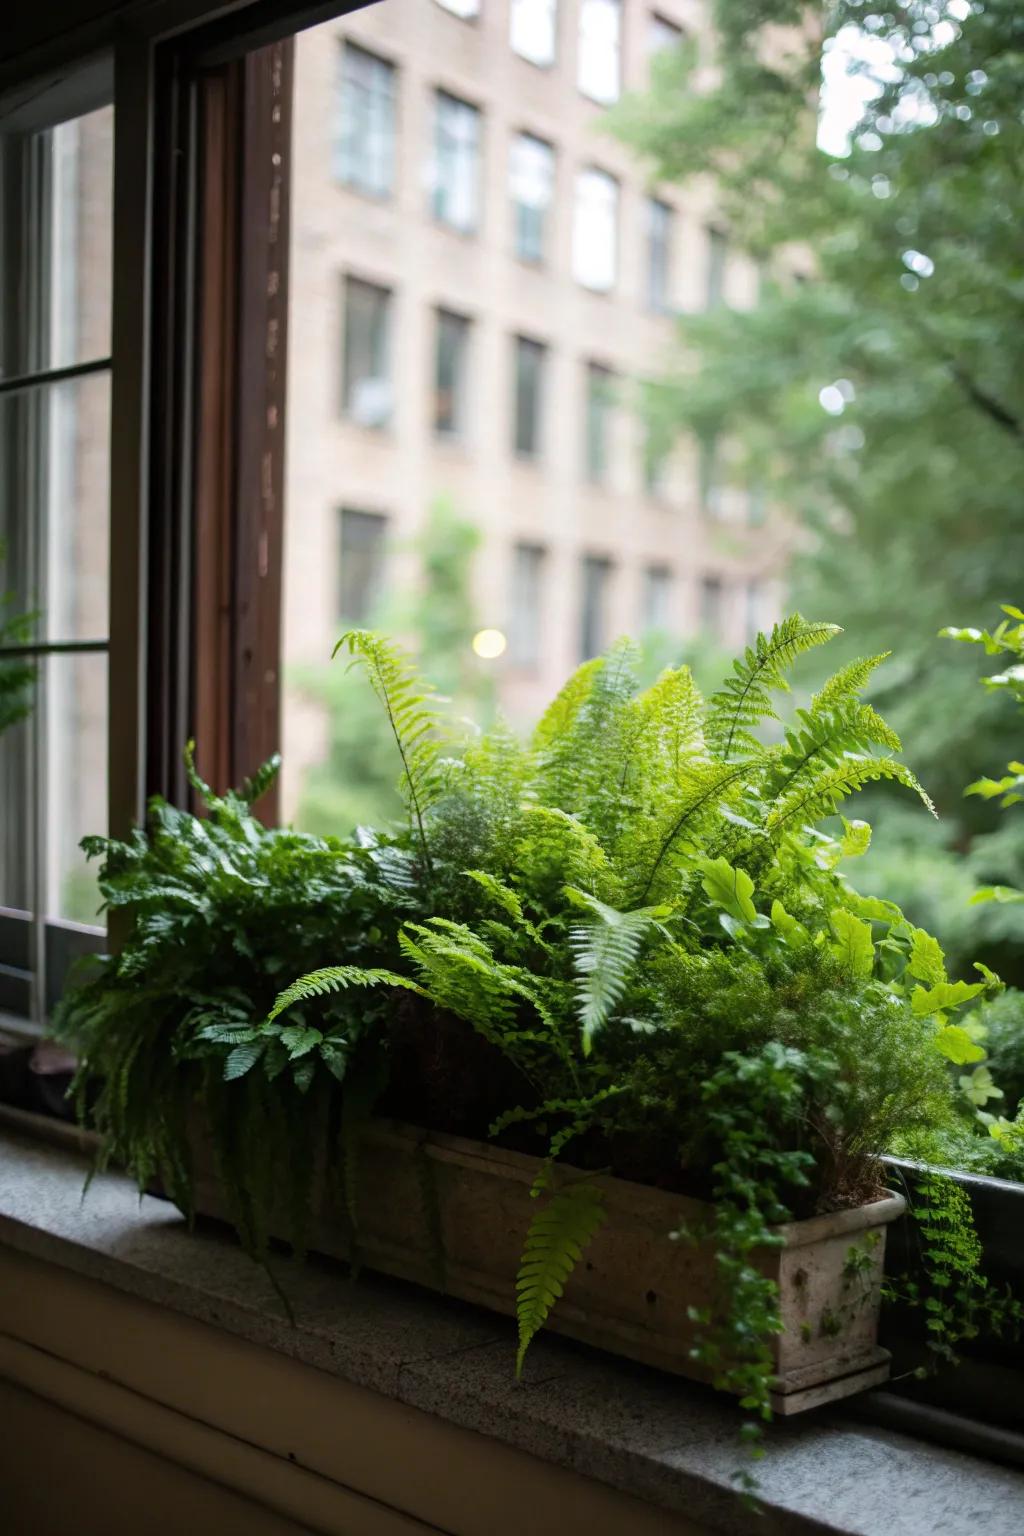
[[882, 401]]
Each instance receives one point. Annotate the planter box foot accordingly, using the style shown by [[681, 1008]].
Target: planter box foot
[[785, 1403]]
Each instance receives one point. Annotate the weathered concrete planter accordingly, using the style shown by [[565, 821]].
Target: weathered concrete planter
[[452, 1214]]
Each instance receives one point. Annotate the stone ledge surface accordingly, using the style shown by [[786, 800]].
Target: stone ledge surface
[[660, 1439]]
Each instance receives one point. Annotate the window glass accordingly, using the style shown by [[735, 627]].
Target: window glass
[[368, 390], [364, 151], [659, 254], [456, 163], [532, 187], [594, 628], [363, 549], [533, 27], [656, 596], [718, 250], [529, 381], [595, 230], [526, 605], [661, 34], [463, 8], [599, 401], [711, 606], [756, 609], [451, 357], [599, 49]]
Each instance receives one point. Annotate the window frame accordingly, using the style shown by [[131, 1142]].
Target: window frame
[[348, 49]]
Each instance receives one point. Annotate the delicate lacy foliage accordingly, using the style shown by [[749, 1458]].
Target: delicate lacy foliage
[[745, 699]]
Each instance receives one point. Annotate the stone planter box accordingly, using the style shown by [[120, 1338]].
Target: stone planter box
[[452, 1214]]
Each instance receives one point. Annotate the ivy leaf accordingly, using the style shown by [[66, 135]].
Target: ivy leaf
[[242, 1059], [853, 946], [957, 1046], [856, 838], [946, 995], [730, 889], [927, 961]]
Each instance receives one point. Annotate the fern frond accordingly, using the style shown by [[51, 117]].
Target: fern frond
[[604, 952], [807, 803], [410, 706], [560, 715], [555, 1241], [256, 786], [673, 706], [335, 978], [821, 739], [744, 701], [848, 683], [705, 787]]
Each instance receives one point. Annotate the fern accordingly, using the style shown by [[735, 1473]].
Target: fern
[[335, 978], [744, 701], [604, 951], [555, 1241], [822, 796]]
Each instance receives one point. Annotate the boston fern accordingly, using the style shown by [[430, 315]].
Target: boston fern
[[627, 945]]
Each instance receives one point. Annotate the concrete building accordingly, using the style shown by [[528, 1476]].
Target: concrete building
[[479, 275]]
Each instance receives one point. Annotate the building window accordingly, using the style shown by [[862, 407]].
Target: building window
[[709, 475], [711, 606], [599, 383], [533, 30], [655, 463], [756, 610], [530, 358], [597, 576], [662, 35], [656, 599], [659, 255], [456, 198], [532, 185], [367, 383], [363, 541], [451, 361], [718, 250], [600, 49], [595, 230], [525, 606], [364, 149], [467, 9]]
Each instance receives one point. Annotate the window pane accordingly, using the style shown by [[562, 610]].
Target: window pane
[[75, 736], [662, 34], [599, 409], [711, 606], [526, 607], [55, 244], [364, 151], [363, 551], [456, 169], [599, 46], [529, 364], [18, 696], [659, 254], [756, 606], [594, 609], [594, 234], [532, 185], [533, 26], [368, 391], [655, 611], [463, 8], [450, 365]]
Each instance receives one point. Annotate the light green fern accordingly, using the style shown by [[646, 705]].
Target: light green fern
[[744, 701], [604, 951], [555, 1241]]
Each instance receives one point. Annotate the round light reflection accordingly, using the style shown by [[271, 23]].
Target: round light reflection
[[489, 643]]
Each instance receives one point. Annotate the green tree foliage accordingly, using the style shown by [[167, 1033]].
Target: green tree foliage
[[912, 319]]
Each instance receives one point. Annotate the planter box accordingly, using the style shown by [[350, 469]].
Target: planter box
[[452, 1215]]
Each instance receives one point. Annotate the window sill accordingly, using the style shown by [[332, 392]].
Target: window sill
[[618, 1431]]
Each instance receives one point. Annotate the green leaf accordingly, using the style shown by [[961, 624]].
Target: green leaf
[[242, 1059], [946, 995], [299, 1040], [927, 962], [557, 1235], [957, 1046], [853, 946], [729, 888], [979, 1086], [1005, 894], [856, 838], [792, 931]]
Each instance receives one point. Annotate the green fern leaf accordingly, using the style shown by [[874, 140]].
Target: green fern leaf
[[604, 952], [555, 1241], [807, 803], [335, 978], [744, 701]]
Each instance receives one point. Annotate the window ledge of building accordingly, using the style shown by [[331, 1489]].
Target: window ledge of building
[[666, 1443]]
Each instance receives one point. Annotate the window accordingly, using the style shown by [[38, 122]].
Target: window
[[597, 575], [595, 230], [718, 250], [363, 538], [659, 255], [451, 359], [467, 9], [656, 599], [655, 464], [533, 30], [532, 186], [598, 422], [708, 474], [364, 150], [530, 357], [756, 606], [456, 199], [55, 278], [711, 606], [525, 606], [662, 34], [368, 391], [599, 49]]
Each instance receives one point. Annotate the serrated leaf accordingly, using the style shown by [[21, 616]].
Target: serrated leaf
[[730, 888], [927, 961], [242, 1059], [957, 1046], [853, 946], [939, 999], [856, 838]]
